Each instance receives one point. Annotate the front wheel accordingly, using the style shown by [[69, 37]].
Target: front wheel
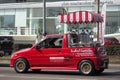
[[21, 65], [86, 67]]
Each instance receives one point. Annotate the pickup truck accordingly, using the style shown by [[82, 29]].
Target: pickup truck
[[61, 52]]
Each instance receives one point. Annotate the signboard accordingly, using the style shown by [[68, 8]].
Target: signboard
[[102, 25], [88, 2]]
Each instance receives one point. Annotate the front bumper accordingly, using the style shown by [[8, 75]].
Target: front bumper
[[11, 62], [101, 63], [104, 63]]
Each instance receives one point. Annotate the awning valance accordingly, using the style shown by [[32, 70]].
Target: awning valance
[[80, 17]]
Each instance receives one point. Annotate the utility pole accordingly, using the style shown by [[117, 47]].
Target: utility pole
[[97, 11], [97, 6], [44, 17]]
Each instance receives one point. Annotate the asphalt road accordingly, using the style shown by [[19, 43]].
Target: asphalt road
[[6, 73]]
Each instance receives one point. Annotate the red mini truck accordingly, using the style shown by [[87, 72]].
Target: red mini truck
[[69, 51]]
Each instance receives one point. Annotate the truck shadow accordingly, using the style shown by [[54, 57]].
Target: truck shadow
[[117, 73], [74, 73]]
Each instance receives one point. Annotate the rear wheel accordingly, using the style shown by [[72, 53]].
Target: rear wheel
[[21, 65], [86, 67]]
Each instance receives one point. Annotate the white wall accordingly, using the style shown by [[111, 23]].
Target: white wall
[[20, 18]]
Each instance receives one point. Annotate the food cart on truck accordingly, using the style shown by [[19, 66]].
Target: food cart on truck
[[85, 36], [75, 22]]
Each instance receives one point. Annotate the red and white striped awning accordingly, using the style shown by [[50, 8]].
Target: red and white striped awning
[[80, 17]]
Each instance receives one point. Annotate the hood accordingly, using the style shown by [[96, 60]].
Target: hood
[[21, 53]]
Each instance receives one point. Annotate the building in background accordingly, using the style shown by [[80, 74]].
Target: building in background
[[23, 19]]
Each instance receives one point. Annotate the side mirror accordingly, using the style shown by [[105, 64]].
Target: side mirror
[[38, 46]]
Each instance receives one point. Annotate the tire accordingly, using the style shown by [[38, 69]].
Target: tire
[[21, 65], [86, 67]]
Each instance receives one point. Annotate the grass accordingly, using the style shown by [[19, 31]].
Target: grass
[[114, 59]]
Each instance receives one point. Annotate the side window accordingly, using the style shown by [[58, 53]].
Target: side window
[[51, 42], [59, 43], [44, 44]]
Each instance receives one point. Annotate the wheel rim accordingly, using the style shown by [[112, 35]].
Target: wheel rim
[[86, 68], [20, 66]]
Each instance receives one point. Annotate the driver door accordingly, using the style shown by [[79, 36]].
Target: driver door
[[45, 55]]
